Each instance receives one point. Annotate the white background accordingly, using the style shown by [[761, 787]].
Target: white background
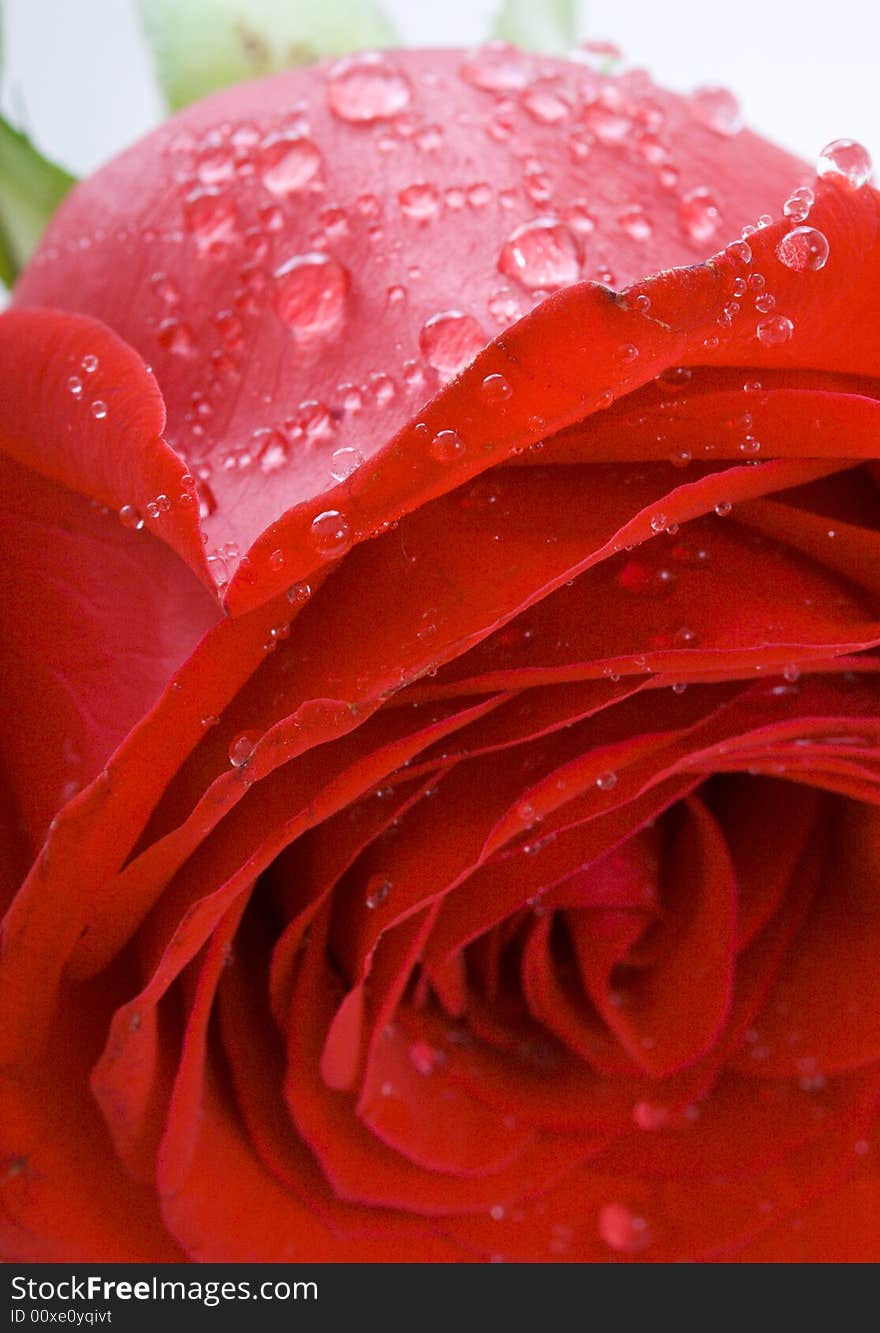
[[806, 71]]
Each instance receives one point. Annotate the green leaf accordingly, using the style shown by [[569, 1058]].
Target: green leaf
[[202, 45], [538, 25], [31, 188]]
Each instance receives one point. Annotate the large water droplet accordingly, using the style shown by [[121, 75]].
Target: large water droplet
[[310, 295], [541, 255], [289, 164], [846, 163], [365, 88], [331, 534], [717, 108], [699, 216], [450, 341], [622, 1229], [804, 249]]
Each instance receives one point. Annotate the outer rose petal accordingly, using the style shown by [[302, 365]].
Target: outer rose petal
[[225, 223]]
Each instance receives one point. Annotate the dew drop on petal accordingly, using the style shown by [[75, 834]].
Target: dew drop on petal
[[496, 67], [495, 389], [129, 517], [775, 331], [635, 222], [74, 385], [90, 363], [344, 462], [99, 409], [210, 218], [446, 446], [846, 163], [331, 534], [365, 88], [424, 1058], [378, 889], [805, 249], [311, 291], [717, 108], [606, 781], [798, 204], [298, 593], [541, 255], [622, 1229], [699, 216], [450, 341], [419, 201], [289, 165], [242, 748]]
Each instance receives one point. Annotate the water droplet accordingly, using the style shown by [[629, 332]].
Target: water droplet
[[425, 1058], [622, 1229], [130, 518], [242, 748], [846, 163], [775, 331], [804, 249], [635, 222], [176, 337], [450, 341], [289, 164], [446, 446], [699, 216], [495, 389], [792, 672], [479, 195], [90, 363], [272, 450], [298, 593], [717, 108], [211, 220], [606, 781], [723, 508], [365, 88], [544, 104], [276, 560], [650, 1116], [526, 813], [99, 409], [331, 534], [658, 523], [497, 67], [74, 384], [218, 570], [798, 204], [378, 889], [310, 295], [419, 201], [541, 255], [344, 463]]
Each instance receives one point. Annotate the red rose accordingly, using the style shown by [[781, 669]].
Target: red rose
[[505, 884]]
